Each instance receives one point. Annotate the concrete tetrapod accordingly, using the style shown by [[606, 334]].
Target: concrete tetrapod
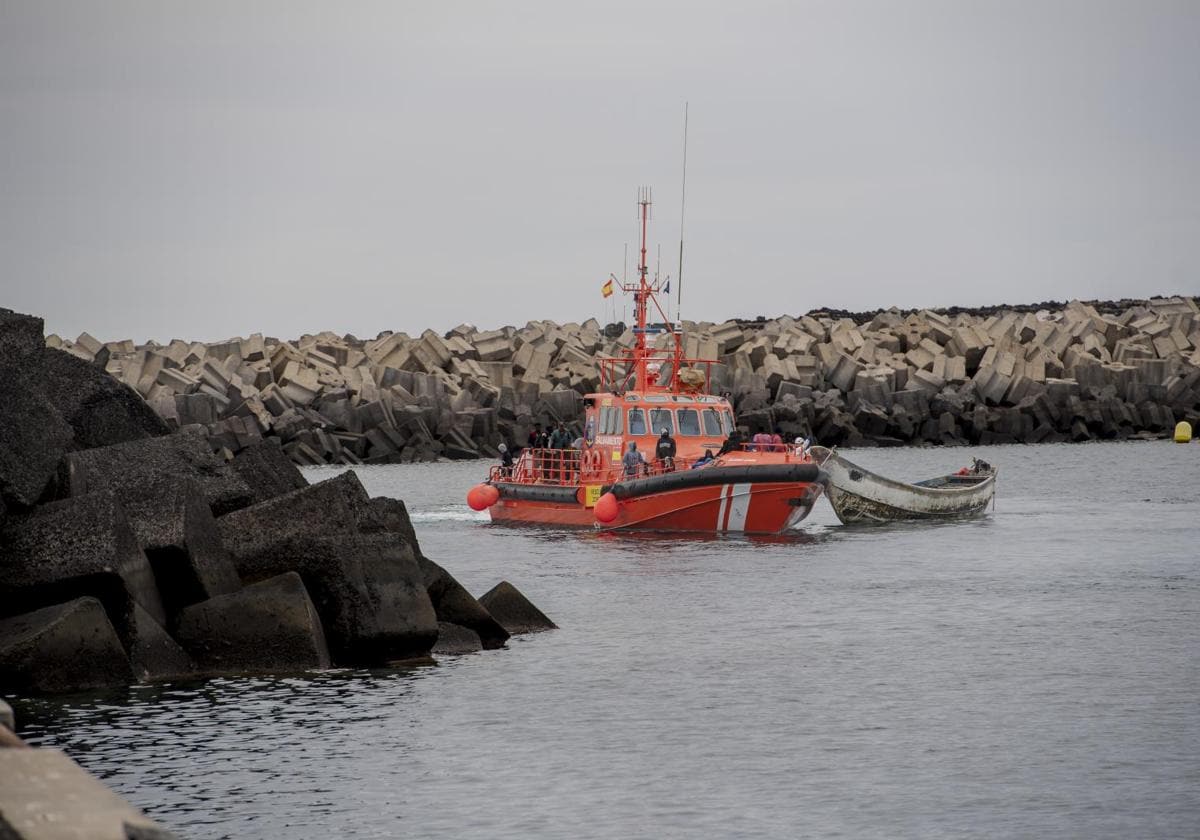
[[175, 527], [64, 647], [451, 601], [268, 626], [33, 439], [512, 609], [129, 468], [367, 589]]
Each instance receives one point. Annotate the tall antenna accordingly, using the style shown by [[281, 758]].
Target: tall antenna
[[682, 205]]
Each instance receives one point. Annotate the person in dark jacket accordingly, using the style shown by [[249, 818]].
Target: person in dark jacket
[[732, 443], [664, 450]]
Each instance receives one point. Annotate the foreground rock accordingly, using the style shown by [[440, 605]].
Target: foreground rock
[[118, 543], [174, 526], [452, 603], [512, 609], [367, 589], [64, 647], [76, 548], [268, 626], [129, 468]]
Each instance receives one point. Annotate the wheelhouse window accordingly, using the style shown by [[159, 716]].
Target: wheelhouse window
[[689, 421], [616, 421], [637, 421], [727, 418], [660, 418], [712, 421]]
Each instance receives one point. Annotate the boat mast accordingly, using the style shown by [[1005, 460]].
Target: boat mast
[[641, 296]]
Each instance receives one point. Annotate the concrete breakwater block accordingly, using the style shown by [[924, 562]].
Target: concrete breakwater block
[[334, 506], [101, 410], [44, 795], [454, 639], [367, 589], [267, 471], [175, 527], [269, 625], [153, 653], [21, 337], [127, 468], [63, 647], [33, 439], [512, 609], [78, 547], [451, 601], [454, 604]]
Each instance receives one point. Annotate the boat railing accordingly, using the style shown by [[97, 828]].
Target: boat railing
[[792, 452], [572, 467], [542, 466]]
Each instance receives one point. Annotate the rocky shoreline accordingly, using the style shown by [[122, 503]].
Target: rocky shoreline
[[131, 553], [1045, 372]]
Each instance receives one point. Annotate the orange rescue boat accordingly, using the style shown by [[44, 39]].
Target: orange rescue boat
[[758, 488]]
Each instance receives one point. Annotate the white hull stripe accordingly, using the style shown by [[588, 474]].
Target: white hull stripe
[[735, 504]]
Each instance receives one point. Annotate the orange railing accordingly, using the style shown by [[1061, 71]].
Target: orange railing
[[571, 467]]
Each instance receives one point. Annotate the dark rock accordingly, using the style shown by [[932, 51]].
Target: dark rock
[[175, 527], [270, 625], [63, 647], [21, 337], [367, 589], [514, 611], [268, 471], [454, 639], [101, 410], [390, 516], [33, 439], [451, 601], [74, 548], [153, 654], [129, 468], [333, 506]]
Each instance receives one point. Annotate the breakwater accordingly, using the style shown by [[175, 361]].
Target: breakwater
[[128, 553], [1033, 373]]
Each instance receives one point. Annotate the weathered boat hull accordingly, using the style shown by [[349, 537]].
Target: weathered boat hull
[[859, 496]]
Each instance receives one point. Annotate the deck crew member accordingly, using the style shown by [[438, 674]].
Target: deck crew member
[[704, 460], [506, 461], [632, 461], [664, 450]]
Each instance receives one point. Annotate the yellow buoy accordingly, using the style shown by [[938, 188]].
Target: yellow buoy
[[1183, 431]]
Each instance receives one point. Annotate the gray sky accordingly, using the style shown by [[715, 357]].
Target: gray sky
[[207, 169]]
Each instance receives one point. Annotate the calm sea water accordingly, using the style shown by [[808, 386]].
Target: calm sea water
[[1035, 673]]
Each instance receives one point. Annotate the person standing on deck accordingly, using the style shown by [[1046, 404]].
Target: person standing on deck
[[664, 450], [632, 461]]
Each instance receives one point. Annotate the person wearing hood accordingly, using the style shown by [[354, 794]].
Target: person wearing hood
[[664, 450], [506, 460]]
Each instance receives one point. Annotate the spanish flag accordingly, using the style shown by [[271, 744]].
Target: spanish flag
[[607, 288]]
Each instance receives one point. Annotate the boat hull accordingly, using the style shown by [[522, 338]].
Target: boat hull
[[859, 496], [740, 505]]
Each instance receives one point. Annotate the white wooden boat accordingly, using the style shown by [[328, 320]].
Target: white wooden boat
[[860, 496]]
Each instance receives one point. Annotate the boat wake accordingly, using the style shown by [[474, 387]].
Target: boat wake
[[450, 513]]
